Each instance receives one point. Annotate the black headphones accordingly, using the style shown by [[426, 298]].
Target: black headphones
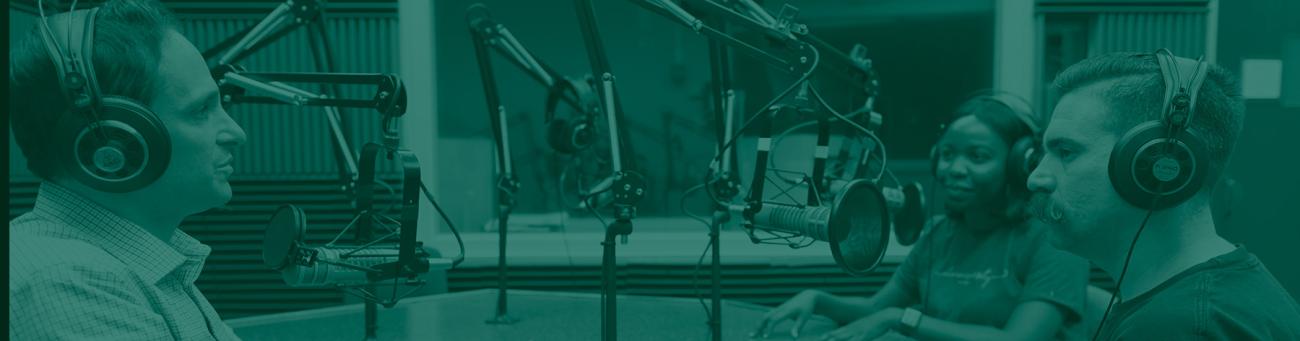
[[1164, 158], [1024, 154], [109, 143], [571, 134]]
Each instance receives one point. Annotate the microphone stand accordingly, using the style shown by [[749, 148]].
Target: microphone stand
[[285, 18], [726, 182], [628, 187], [485, 33], [390, 101], [507, 183]]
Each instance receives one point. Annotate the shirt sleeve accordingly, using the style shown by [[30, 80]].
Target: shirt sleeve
[[1056, 277], [919, 259], [82, 304]]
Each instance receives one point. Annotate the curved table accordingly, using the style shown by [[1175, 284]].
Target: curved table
[[542, 316]]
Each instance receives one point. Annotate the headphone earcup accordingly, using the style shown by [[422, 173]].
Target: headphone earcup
[[568, 137], [128, 149], [1021, 160], [934, 161], [1145, 164]]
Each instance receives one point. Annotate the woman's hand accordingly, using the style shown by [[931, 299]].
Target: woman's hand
[[798, 308], [867, 328]]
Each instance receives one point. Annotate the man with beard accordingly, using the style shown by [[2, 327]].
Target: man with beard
[[1133, 149]]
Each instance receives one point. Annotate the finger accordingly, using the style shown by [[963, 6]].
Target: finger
[[762, 322], [798, 324], [775, 320], [762, 325], [769, 321]]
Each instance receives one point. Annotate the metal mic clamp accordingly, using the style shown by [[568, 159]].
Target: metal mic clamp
[[628, 188], [724, 186], [785, 22]]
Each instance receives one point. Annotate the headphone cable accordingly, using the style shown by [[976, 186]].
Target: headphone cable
[[1132, 245]]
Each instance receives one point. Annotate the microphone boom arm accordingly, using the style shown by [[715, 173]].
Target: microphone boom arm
[[489, 33], [673, 11], [282, 20], [854, 67], [389, 98]]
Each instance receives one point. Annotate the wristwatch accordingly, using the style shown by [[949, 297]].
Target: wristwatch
[[909, 321]]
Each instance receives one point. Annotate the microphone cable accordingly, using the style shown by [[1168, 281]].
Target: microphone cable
[[717, 157], [1160, 189], [695, 274], [459, 242]]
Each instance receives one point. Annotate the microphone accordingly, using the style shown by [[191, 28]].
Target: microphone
[[855, 225], [327, 267], [906, 206], [303, 266]]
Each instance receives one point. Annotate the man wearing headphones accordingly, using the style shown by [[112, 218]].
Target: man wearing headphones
[[116, 112], [1133, 149]]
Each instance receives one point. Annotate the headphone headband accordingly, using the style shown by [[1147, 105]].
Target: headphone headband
[[85, 57], [1020, 108], [582, 93], [1183, 80], [73, 62]]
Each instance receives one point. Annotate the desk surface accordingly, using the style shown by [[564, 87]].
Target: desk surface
[[541, 315], [646, 247]]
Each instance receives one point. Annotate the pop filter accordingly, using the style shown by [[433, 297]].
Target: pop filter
[[906, 208], [855, 225], [909, 219], [284, 234]]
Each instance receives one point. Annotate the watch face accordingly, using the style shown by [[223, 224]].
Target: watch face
[[910, 319]]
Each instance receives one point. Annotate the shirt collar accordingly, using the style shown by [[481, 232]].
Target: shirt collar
[[130, 243]]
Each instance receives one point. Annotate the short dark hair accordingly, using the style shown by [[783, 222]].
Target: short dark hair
[[127, 49], [1137, 94]]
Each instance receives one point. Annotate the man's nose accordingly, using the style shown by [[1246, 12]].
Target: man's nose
[[1041, 179], [232, 135]]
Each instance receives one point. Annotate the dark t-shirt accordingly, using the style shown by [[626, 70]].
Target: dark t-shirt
[[980, 277], [1229, 297]]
